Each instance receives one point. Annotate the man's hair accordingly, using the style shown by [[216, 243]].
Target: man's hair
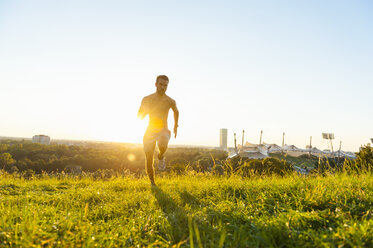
[[164, 77]]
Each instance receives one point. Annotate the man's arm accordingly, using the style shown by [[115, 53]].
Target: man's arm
[[176, 117], [143, 110]]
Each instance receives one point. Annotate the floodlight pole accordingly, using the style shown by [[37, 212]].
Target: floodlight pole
[[331, 144], [261, 133], [243, 136], [283, 141], [235, 143], [310, 144], [340, 147]]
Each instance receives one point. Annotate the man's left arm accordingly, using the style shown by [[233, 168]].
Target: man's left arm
[[176, 117], [143, 111]]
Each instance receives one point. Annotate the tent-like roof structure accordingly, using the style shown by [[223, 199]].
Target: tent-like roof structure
[[344, 154], [273, 147], [291, 148], [259, 151], [315, 150], [253, 154], [247, 144]]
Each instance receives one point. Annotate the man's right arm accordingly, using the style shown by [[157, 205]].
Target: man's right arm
[[176, 116], [143, 110]]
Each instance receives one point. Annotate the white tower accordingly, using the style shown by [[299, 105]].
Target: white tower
[[223, 138]]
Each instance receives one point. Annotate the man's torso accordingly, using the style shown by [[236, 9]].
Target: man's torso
[[157, 107]]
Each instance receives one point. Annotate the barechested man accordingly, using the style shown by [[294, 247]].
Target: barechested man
[[157, 106]]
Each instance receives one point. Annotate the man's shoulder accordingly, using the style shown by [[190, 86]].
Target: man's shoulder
[[148, 97], [169, 98]]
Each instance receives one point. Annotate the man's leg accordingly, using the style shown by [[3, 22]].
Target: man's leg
[[149, 146], [149, 165], [163, 144]]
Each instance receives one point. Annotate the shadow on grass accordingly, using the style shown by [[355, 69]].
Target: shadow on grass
[[281, 230], [176, 215], [224, 227], [204, 226]]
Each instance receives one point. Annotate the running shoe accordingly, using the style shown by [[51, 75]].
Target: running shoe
[[162, 164]]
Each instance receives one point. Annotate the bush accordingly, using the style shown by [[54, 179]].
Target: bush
[[251, 167], [6, 160], [276, 166], [237, 161], [28, 174], [202, 164], [326, 164], [177, 165], [364, 158], [267, 166], [13, 169]]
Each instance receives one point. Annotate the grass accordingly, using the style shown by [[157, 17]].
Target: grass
[[188, 211]]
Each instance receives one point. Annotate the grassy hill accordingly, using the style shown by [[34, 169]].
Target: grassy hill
[[194, 210]]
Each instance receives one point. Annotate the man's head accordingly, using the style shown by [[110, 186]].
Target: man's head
[[161, 83]]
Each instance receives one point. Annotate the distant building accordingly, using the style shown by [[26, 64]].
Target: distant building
[[41, 139], [223, 138]]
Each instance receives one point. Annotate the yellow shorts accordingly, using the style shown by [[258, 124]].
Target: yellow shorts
[[151, 138]]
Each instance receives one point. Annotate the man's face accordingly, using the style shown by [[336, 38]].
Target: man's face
[[161, 86]]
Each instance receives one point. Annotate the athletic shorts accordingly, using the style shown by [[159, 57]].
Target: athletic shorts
[[151, 138]]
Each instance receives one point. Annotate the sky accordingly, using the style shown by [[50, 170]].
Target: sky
[[79, 69]]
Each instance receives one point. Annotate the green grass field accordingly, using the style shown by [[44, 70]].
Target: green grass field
[[188, 211]]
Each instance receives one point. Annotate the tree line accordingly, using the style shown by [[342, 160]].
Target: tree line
[[19, 156], [22, 156]]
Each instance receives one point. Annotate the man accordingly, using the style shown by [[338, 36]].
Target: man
[[157, 106]]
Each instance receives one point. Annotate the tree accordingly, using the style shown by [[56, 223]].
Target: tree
[[6, 160]]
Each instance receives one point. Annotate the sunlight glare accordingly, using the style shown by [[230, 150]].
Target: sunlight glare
[[131, 157]]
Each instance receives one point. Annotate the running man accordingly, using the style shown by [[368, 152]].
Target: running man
[[157, 106]]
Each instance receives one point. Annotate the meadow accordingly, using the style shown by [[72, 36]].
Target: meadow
[[191, 210]]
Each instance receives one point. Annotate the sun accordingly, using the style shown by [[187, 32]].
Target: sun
[[119, 128]]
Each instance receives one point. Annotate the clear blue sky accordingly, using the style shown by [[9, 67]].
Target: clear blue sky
[[78, 69]]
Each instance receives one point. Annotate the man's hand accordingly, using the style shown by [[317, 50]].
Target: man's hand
[[175, 130], [141, 115], [176, 117]]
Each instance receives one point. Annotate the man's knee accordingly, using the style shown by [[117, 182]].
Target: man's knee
[[163, 143], [149, 148]]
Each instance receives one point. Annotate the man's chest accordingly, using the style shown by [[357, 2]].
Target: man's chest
[[159, 104]]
